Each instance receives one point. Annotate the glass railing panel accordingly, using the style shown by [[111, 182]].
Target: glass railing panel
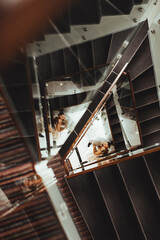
[[114, 158], [99, 140], [126, 111]]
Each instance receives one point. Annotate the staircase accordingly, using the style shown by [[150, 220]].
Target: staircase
[[21, 217], [36, 220], [77, 13], [122, 201], [116, 202], [122, 196], [128, 55]]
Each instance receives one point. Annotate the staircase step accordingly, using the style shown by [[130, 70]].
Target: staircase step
[[142, 60], [148, 112], [79, 13], [62, 23], [116, 128], [150, 126], [153, 163], [112, 111], [108, 10], [124, 6], [146, 97], [142, 193], [120, 145], [113, 118], [117, 201], [116, 121], [151, 139], [91, 204], [144, 89]]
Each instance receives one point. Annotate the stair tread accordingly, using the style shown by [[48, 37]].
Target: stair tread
[[144, 135], [147, 104], [141, 73], [150, 118], [80, 15], [145, 89]]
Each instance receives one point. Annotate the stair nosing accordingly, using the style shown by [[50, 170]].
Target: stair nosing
[[112, 114], [132, 203], [147, 104], [144, 135], [153, 182], [110, 107], [110, 215], [145, 89], [116, 132], [112, 124], [148, 119], [142, 72], [119, 141]]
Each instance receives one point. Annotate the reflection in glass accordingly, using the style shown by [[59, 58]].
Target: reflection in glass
[[126, 112], [21, 191]]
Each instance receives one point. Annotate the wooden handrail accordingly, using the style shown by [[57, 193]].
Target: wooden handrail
[[79, 72], [108, 157], [113, 162]]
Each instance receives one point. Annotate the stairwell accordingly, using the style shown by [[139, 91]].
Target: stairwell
[[122, 201]]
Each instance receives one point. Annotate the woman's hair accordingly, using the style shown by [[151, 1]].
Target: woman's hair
[[61, 113], [33, 178], [104, 152]]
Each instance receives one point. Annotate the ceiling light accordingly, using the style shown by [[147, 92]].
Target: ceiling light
[[119, 56], [125, 43]]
